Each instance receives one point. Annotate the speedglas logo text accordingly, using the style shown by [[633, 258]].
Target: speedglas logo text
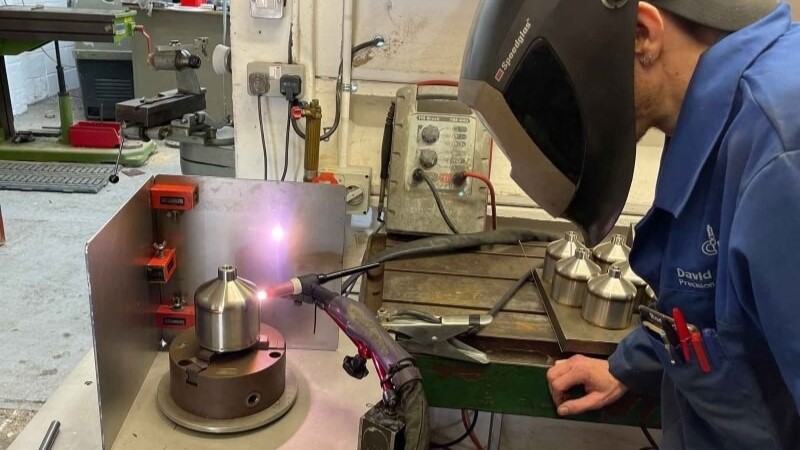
[[506, 64]]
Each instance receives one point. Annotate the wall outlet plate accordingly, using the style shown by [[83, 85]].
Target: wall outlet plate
[[266, 9], [273, 73], [357, 182]]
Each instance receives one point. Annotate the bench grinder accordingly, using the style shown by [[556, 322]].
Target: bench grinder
[[229, 373]]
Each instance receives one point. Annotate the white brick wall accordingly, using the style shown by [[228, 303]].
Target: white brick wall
[[32, 75]]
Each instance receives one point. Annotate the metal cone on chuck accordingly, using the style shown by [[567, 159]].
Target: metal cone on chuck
[[227, 313], [557, 251], [572, 274]]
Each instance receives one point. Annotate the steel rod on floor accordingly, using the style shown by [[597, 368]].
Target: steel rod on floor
[[50, 436]]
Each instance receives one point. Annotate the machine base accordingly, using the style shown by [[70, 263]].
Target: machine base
[[224, 426], [49, 150]]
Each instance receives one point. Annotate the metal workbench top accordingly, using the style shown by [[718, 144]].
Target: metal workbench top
[[326, 415]]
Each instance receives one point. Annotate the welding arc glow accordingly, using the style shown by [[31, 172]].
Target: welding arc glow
[[261, 295], [278, 233]]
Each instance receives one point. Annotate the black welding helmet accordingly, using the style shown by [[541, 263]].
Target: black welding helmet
[[553, 82]]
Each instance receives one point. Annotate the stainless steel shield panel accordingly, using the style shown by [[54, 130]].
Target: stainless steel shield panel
[[122, 308]]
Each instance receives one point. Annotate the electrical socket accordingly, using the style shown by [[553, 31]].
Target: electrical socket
[[257, 83], [358, 184], [267, 9], [273, 72]]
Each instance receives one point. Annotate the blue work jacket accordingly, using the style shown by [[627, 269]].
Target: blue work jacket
[[722, 243]]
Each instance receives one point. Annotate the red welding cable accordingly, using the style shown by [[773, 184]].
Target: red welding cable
[[472, 436], [140, 29], [492, 196], [438, 83]]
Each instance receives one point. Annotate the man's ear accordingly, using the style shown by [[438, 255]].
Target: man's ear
[[649, 33]]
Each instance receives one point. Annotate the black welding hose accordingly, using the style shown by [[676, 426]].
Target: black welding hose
[[451, 243], [415, 411]]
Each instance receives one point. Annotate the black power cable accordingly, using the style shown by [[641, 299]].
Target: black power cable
[[286, 146], [263, 138], [649, 437], [290, 60], [377, 42], [386, 156], [461, 438], [419, 175]]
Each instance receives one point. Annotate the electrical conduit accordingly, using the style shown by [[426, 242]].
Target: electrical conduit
[[347, 82]]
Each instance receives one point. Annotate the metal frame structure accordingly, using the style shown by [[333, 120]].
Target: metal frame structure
[[24, 28], [268, 230]]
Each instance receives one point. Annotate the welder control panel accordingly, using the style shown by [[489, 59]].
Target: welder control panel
[[441, 145], [435, 133]]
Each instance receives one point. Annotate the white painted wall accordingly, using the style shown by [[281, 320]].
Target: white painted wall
[[425, 40], [32, 75]]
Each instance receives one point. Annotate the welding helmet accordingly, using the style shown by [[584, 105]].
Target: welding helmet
[[553, 82]]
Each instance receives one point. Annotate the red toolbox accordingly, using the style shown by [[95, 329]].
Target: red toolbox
[[192, 2], [95, 134]]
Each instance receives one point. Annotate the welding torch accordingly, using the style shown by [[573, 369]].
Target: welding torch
[[393, 364]]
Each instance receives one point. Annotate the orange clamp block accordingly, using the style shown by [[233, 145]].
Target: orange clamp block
[[173, 197], [161, 268], [175, 319]]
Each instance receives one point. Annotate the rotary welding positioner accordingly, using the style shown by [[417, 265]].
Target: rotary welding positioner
[[238, 351]]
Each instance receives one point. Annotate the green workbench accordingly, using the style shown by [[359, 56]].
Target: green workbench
[[520, 342], [25, 28]]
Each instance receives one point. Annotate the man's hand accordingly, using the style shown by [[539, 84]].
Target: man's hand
[[601, 387]]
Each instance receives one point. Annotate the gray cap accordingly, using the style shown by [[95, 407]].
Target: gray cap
[[726, 15]]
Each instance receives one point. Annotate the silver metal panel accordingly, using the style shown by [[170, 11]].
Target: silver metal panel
[[574, 334], [271, 232], [125, 338]]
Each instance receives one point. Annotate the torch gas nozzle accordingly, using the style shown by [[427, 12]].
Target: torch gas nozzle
[[295, 285]]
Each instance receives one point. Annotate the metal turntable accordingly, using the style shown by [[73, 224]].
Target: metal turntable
[[227, 374]]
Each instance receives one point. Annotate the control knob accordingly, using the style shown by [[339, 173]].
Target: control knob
[[430, 134], [428, 158]]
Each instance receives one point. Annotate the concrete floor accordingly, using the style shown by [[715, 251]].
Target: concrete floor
[[45, 324]]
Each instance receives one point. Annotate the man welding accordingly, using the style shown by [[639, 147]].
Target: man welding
[[567, 88]]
